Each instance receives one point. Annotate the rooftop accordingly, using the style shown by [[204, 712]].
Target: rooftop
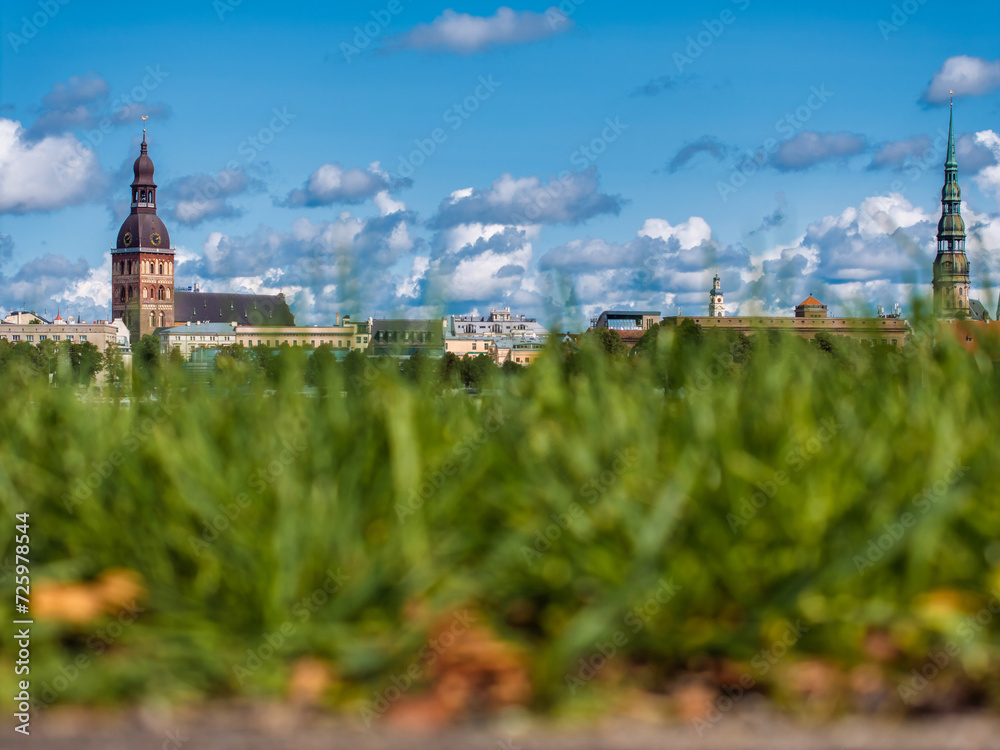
[[245, 309]]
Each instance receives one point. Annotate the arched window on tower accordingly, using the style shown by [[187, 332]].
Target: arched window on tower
[[167, 293], [121, 294], [130, 293], [144, 292], [161, 269], [161, 293], [161, 320], [142, 196], [152, 320]]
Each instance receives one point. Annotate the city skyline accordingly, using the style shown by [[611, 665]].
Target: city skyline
[[607, 181]]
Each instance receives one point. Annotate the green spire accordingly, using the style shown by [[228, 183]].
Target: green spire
[[951, 162]]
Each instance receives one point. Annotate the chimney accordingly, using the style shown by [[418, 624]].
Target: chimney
[[338, 319]]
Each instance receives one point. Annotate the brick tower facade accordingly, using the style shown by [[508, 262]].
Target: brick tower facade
[[142, 262]]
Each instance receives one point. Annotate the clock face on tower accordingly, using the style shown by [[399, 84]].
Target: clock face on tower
[[127, 239], [155, 239]]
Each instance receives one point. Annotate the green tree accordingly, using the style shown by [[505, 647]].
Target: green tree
[[451, 370], [146, 364], [607, 340], [479, 371], [321, 365], [114, 368], [85, 362]]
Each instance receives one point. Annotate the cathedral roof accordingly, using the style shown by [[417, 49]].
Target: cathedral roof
[[245, 309]]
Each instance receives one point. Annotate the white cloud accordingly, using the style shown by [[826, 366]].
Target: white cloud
[[988, 178], [571, 199], [966, 76], [690, 234], [464, 33], [809, 148], [49, 174], [332, 183]]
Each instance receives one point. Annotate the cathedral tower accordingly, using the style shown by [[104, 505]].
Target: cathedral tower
[[951, 266], [142, 263], [716, 307]]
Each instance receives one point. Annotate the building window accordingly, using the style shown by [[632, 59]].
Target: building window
[[358, 340], [83, 338], [30, 337], [55, 338], [69, 338], [42, 338]]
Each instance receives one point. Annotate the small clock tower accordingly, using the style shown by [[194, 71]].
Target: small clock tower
[[716, 305], [142, 262]]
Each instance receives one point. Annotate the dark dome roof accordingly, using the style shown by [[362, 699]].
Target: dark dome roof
[[141, 227], [143, 168], [951, 225]]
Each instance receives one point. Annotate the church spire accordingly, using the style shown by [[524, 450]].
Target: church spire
[[951, 162], [951, 266]]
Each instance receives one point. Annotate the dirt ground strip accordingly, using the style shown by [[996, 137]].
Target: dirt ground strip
[[274, 727]]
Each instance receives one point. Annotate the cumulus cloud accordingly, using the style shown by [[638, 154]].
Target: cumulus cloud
[[810, 148], [975, 151], [966, 76], [706, 144], [49, 174], [572, 199], [655, 86], [690, 234], [82, 102], [988, 178], [665, 266], [69, 105], [878, 252], [466, 34], [922, 153], [332, 183], [350, 264], [199, 197], [54, 282], [895, 155], [478, 264]]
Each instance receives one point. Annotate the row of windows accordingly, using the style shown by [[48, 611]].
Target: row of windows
[[418, 337], [154, 319], [339, 343], [31, 339], [144, 266], [129, 292], [144, 196]]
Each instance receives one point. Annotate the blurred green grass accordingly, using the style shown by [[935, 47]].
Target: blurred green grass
[[303, 485]]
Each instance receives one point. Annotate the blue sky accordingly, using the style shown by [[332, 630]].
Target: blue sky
[[578, 157]]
